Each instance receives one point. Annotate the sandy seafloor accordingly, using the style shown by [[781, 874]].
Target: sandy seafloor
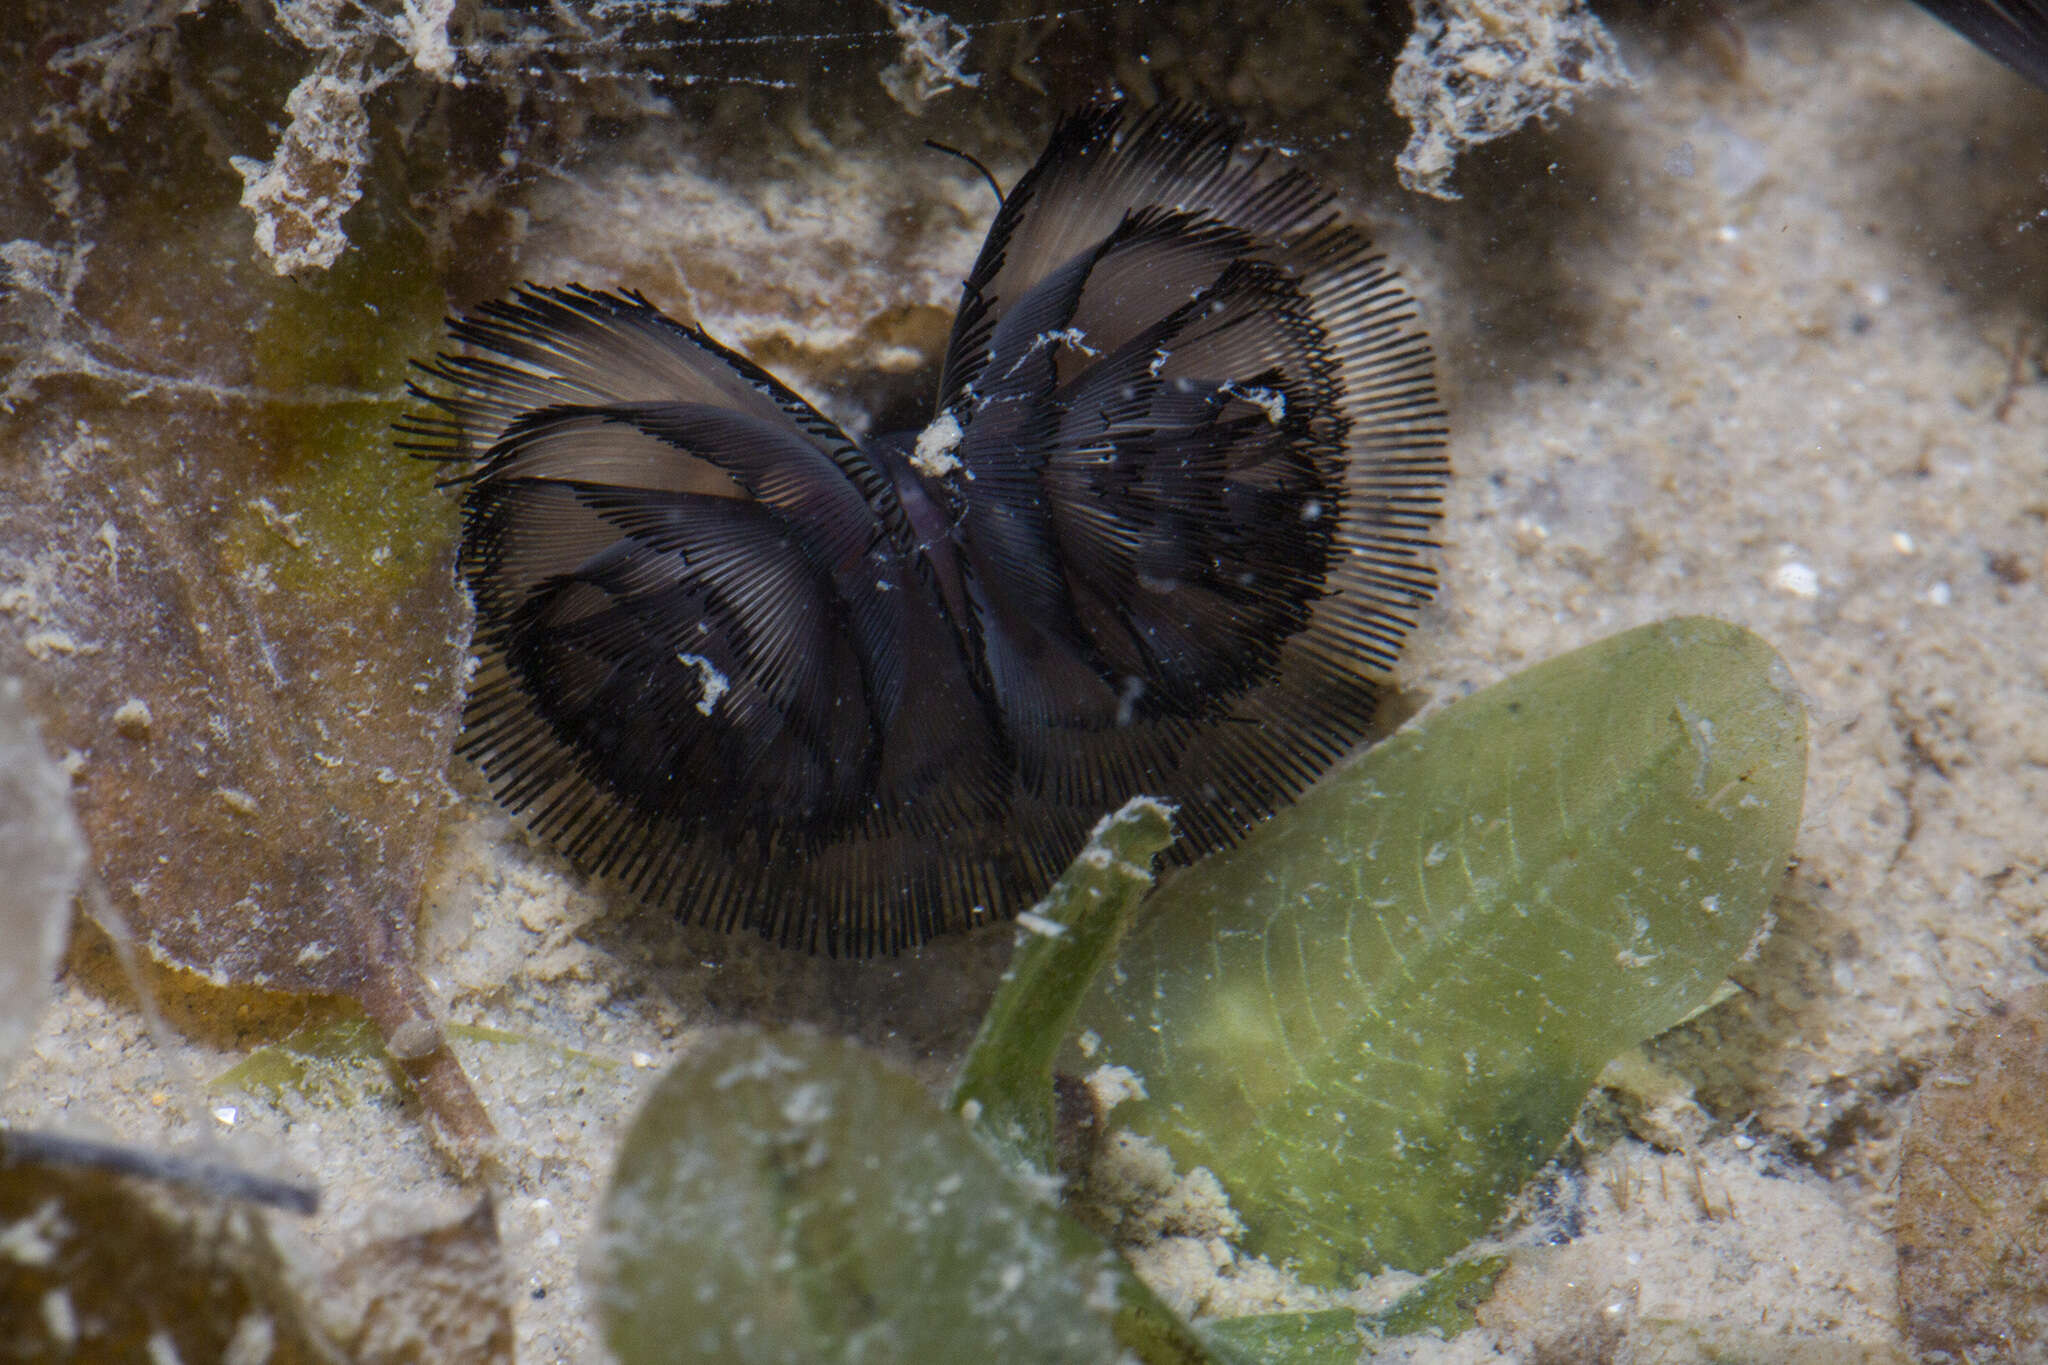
[[1760, 339]]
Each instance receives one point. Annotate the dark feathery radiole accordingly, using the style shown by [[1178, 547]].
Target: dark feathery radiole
[[1165, 534], [2014, 31]]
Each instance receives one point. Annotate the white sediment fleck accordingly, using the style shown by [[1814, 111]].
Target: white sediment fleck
[[934, 53], [1700, 730], [763, 1065], [109, 535], [254, 1341], [1040, 925], [714, 683], [284, 524], [934, 455], [60, 1319], [808, 1103], [1799, 580], [36, 1239], [1067, 336], [1113, 1085], [1272, 402], [1127, 700]]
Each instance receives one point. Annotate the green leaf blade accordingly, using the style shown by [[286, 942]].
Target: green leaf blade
[[1378, 1016], [1310, 1338], [1005, 1080], [785, 1197]]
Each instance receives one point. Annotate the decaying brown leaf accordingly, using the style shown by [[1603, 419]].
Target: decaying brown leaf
[[428, 1296], [232, 608], [1972, 1221], [98, 1267]]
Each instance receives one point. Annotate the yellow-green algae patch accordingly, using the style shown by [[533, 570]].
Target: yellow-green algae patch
[[346, 513]]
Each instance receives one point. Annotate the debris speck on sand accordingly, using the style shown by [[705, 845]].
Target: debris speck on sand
[[1475, 70]]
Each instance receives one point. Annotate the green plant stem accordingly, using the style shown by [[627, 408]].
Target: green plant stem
[[1005, 1085]]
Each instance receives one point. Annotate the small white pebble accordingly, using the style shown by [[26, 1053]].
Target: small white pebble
[[1743, 1142], [1528, 536], [1940, 595], [1903, 543], [1729, 233], [133, 719], [1797, 579], [642, 1060], [414, 1039], [226, 1115]]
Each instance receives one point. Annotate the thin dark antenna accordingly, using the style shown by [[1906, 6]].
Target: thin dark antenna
[[974, 161]]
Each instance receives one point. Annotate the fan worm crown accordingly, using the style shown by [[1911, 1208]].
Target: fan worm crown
[[1166, 531]]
